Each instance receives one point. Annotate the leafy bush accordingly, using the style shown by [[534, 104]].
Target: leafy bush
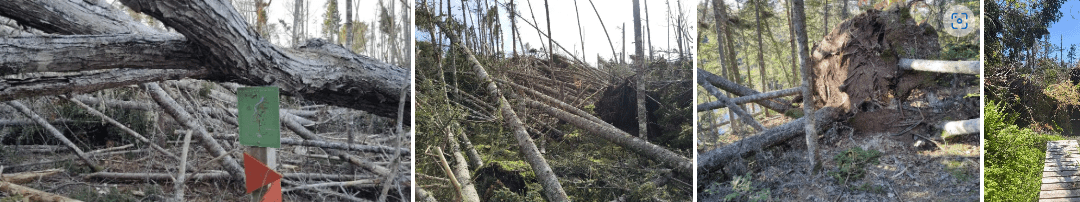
[[1014, 156]]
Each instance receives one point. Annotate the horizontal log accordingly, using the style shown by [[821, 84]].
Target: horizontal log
[[970, 126], [30, 176], [345, 146], [751, 98], [713, 159], [961, 67], [779, 105], [32, 194], [216, 175]]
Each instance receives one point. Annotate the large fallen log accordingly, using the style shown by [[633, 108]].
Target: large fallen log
[[32, 194], [712, 160], [216, 44], [461, 170], [621, 138]]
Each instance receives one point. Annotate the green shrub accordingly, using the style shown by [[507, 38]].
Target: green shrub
[[1014, 157]]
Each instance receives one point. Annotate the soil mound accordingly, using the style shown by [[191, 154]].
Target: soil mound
[[857, 61]]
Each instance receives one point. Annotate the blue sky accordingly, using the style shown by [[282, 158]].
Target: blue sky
[[1067, 29]]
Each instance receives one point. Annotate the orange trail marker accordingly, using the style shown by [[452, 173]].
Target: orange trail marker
[[258, 175], [274, 193]]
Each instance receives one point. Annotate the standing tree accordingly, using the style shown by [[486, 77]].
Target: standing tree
[[761, 48], [332, 21], [643, 119]]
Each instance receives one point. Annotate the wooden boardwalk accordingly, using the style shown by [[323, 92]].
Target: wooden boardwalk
[[1060, 176]]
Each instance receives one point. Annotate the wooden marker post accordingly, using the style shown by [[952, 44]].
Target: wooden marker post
[[260, 129]]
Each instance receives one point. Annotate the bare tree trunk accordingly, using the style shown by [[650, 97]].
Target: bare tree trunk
[[173, 109], [739, 90], [605, 30], [712, 160], [461, 170], [799, 17], [745, 117], [648, 29], [761, 50], [642, 113], [122, 127], [614, 135], [791, 37], [348, 24], [581, 34], [513, 26], [56, 133]]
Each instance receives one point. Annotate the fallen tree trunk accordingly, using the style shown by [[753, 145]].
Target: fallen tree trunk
[[206, 176], [226, 47], [779, 105], [122, 127], [344, 146], [751, 98], [745, 117], [32, 194], [306, 134], [207, 141], [25, 177], [970, 126], [461, 170], [72, 158], [961, 67], [552, 187], [712, 160], [621, 138], [55, 133]]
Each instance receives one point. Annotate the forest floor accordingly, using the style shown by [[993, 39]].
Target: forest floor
[[908, 167]]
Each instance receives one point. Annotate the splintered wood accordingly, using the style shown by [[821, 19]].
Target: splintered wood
[[1060, 175]]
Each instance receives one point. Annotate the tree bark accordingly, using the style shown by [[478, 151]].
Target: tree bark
[[614, 135], [761, 49], [745, 117], [25, 177], [642, 113], [552, 188], [739, 90], [344, 146], [748, 99], [177, 112], [712, 160], [56, 133], [306, 134], [230, 51], [461, 170], [808, 78], [32, 194], [962, 67]]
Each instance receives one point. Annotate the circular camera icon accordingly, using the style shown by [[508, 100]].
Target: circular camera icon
[[959, 21]]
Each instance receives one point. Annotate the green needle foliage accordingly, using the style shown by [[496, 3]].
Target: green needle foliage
[[1014, 156]]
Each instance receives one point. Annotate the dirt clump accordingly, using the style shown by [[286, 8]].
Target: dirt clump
[[857, 61]]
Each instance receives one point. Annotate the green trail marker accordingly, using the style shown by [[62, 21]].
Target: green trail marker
[[258, 116]]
